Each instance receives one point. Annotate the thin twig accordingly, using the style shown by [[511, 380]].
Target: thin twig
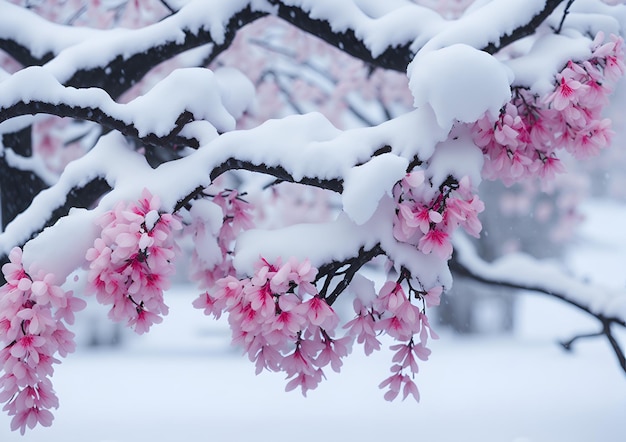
[[565, 13], [567, 345]]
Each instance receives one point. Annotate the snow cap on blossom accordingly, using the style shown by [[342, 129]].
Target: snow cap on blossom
[[132, 260], [214, 225]]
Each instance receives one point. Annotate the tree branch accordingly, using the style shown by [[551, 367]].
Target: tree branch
[[394, 58], [460, 269], [83, 196], [354, 265], [172, 140], [334, 184], [524, 30], [22, 54], [565, 14], [124, 71]]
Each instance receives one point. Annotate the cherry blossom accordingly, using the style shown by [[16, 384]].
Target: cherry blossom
[[130, 263], [426, 217], [280, 320], [525, 139], [33, 310], [281, 311]]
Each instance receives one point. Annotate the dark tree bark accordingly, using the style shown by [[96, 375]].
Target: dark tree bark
[[17, 187]]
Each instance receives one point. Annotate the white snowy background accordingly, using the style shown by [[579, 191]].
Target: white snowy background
[[182, 381]]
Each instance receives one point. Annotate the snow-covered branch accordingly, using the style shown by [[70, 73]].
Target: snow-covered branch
[[402, 187], [199, 99], [522, 272], [357, 30]]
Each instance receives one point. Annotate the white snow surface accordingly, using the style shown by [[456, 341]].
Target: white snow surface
[[458, 156], [155, 112], [104, 48], [364, 185], [549, 54], [459, 83], [378, 26], [339, 240], [484, 24], [37, 34]]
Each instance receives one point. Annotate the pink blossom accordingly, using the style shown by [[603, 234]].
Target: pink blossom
[[130, 264], [437, 242], [31, 417], [566, 93], [319, 313], [565, 118], [363, 328], [32, 311], [433, 296], [551, 166], [333, 352]]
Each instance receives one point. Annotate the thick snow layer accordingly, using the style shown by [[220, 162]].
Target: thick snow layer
[[106, 46], [155, 112], [458, 156], [485, 24], [364, 185], [339, 240], [40, 36], [592, 16], [236, 90], [549, 54], [379, 27], [459, 83], [305, 146]]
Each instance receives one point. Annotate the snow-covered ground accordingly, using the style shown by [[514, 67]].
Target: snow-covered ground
[[182, 382]]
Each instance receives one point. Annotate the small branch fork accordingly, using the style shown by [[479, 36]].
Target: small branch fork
[[607, 322], [347, 269]]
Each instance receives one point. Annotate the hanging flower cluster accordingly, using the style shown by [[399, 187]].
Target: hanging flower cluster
[[130, 263], [391, 312], [426, 217], [531, 129], [33, 311], [280, 320], [214, 226]]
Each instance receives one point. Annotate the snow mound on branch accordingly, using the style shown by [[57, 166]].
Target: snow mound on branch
[[459, 83], [200, 95], [236, 90], [365, 185]]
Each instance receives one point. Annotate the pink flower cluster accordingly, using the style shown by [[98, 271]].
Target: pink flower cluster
[[393, 313], [236, 217], [426, 217], [33, 310], [281, 321], [530, 130], [130, 263]]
